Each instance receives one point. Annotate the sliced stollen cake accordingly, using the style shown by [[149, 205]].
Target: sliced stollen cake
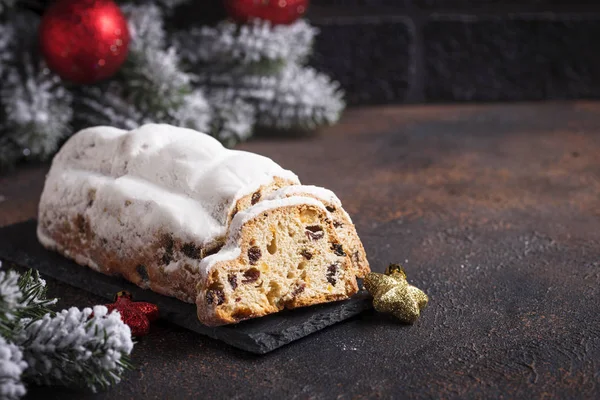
[[281, 253], [172, 210], [341, 221]]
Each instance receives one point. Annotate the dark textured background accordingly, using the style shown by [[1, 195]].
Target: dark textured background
[[407, 51], [493, 210]]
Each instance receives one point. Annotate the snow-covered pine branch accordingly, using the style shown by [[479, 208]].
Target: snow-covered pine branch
[[234, 118], [296, 98], [21, 296], [303, 99], [155, 82], [232, 45], [77, 348], [36, 107], [10, 299], [106, 106], [11, 369]]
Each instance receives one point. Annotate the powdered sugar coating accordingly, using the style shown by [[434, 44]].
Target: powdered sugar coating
[[152, 179]]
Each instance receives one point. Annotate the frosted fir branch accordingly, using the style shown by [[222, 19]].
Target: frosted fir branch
[[34, 303], [297, 98], [194, 113], [257, 41], [10, 297], [77, 348], [98, 106], [21, 296], [303, 99], [156, 84], [6, 38], [234, 118], [37, 109], [145, 26], [12, 366]]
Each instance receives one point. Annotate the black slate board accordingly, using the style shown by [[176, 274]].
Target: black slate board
[[19, 245]]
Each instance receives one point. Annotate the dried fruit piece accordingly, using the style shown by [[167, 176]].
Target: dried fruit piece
[[255, 197], [314, 232], [299, 289], [338, 249], [215, 296], [337, 224], [331, 271], [251, 275], [254, 255], [232, 278], [306, 254], [330, 208]]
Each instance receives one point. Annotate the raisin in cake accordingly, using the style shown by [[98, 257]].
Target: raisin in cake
[[156, 205]]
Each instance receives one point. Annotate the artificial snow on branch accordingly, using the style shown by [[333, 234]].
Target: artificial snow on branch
[[10, 301], [77, 348], [232, 44], [155, 82], [11, 369], [296, 98], [303, 99], [234, 118], [36, 107]]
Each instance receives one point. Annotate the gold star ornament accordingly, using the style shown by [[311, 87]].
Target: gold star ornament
[[392, 294]]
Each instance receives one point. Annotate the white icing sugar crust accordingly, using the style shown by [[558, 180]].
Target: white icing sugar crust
[[153, 179], [318, 192], [231, 250]]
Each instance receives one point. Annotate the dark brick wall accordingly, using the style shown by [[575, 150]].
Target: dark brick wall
[[413, 51], [416, 51]]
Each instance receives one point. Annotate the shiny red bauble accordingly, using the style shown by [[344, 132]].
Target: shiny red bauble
[[278, 12], [84, 41]]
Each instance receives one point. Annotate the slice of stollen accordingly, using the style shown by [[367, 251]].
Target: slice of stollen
[[282, 253]]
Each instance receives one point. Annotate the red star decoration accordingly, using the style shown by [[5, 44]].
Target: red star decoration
[[136, 314]]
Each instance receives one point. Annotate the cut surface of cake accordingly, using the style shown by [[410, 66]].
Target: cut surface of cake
[[167, 207], [341, 221], [281, 254]]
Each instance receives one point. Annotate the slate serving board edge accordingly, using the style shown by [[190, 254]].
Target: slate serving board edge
[[19, 245]]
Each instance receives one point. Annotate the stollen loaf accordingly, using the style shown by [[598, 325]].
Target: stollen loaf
[[171, 210]]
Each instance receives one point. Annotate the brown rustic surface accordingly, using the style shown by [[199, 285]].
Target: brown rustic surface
[[494, 211]]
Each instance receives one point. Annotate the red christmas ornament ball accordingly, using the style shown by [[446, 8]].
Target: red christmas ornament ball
[[84, 41], [279, 12]]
